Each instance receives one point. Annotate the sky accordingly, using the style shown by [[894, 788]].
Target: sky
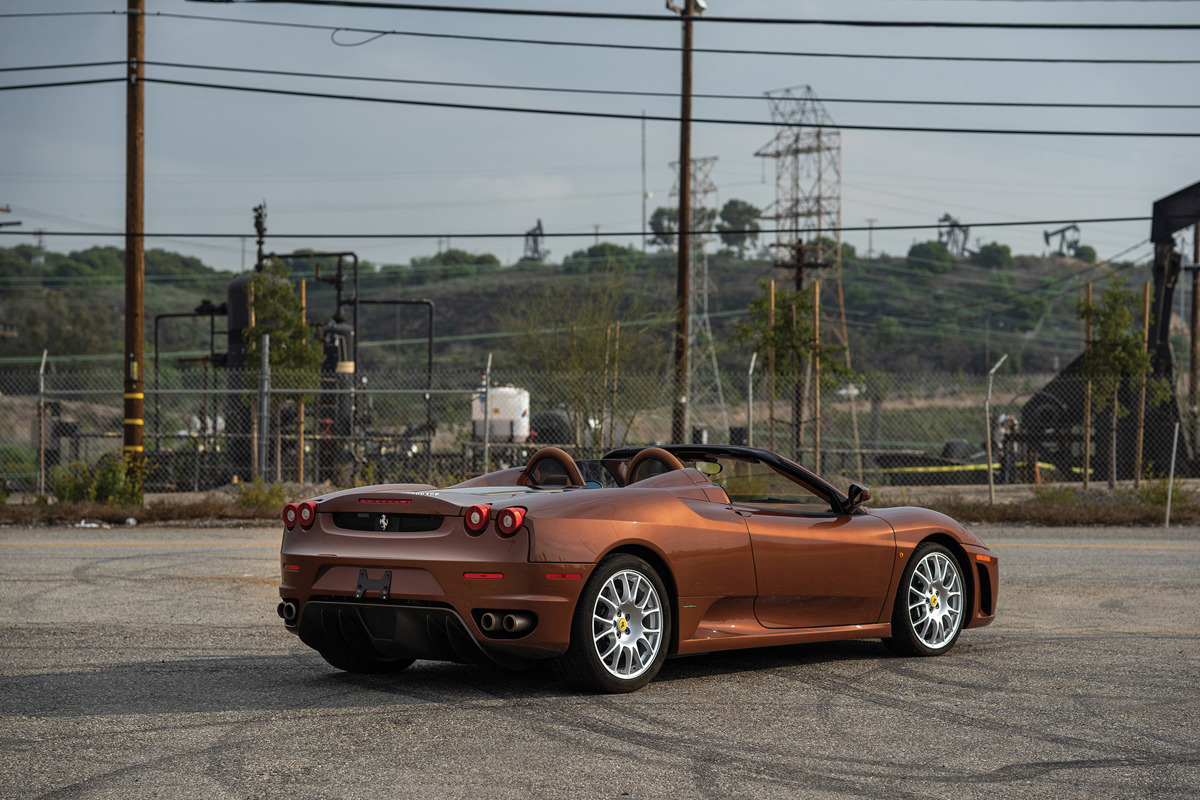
[[334, 166]]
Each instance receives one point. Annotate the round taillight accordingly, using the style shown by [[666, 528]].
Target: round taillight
[[509, 521], [308, 514], [290, 515], [477, 518]]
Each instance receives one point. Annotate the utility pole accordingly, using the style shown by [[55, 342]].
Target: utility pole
[[135, 261], [871, 237], [679, 414]]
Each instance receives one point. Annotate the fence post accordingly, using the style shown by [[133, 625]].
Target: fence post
[[987, 418], [487, 422], [750, 401], [42, 427], [264, 389], [1171, 478]]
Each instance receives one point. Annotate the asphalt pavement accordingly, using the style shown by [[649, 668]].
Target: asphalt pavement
[[149, 662]]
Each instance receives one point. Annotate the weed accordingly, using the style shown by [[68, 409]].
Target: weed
[[114, 482], [1056, 494], [73, 483], [261, 496], [1154, 492]]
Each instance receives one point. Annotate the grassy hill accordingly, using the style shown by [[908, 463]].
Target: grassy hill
[[901, 315]]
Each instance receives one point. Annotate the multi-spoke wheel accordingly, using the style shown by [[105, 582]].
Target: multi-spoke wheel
[[930, 603], [622, 627]]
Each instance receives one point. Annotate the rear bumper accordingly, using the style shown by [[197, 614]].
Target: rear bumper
[[419, 598], [390, 631]]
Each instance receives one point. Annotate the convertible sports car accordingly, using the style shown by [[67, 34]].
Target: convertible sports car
[[604, 568]]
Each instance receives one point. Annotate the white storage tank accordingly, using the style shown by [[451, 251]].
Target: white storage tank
[[507, 413]]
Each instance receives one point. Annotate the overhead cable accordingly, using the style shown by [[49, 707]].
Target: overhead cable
[[852, 23], [662, 118], [58, 84], [375, 33], [642, 93], [567, 235], [602, 92]]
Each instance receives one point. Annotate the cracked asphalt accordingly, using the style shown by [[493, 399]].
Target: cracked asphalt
[[144, 662]]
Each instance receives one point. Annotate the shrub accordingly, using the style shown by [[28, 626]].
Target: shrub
[[73, 483], [261, 496], [112, 482]]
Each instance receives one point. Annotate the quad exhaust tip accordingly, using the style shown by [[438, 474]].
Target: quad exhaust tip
[[517, 623], [514, 623]]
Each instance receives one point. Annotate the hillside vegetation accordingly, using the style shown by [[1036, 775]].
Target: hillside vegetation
[[903, 314]]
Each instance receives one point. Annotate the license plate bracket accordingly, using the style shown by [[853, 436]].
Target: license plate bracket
[[367, 584]]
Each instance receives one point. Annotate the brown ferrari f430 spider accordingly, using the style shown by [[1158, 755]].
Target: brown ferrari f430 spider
[[604, 568]]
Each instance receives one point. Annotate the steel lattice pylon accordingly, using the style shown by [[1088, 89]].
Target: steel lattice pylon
[[706, 398], [808, 181]]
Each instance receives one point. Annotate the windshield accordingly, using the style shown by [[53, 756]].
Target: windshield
[[748, 481]]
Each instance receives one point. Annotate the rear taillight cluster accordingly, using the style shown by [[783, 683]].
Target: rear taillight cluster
[[304, 514], [508, 521]]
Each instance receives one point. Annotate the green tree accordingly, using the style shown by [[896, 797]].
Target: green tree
[[566, 330], [665, 223], [993, 256], [930, 256], [605, 257], [738, 225], [793, 337], [1115, 354], [277, 312], [1086, 253], [455, 263]]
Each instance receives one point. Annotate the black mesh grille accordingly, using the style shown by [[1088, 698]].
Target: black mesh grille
[[384, 522]]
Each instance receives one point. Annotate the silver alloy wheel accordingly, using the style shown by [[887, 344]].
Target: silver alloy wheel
[[627, 624], [935, 600]]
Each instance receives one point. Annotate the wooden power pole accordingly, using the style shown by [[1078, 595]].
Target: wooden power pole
[[679, 414], [135, 262]]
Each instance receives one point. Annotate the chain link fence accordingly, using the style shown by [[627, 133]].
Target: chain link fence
[[204, 426]]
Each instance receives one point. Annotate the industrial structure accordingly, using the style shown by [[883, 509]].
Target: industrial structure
[[1057, 427], [705, 392]]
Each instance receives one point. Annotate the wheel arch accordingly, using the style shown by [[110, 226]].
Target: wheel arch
[[970, 580], [656, 560]]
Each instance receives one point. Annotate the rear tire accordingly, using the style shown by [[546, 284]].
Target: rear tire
[[621, 630]]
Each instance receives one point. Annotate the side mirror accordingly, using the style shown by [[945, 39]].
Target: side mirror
[[857, 495]]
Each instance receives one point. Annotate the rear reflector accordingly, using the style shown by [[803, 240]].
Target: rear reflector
[[483, 576], [563, 576], [291, 567]]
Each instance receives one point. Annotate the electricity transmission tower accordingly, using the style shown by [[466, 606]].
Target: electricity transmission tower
[[807, 212], [808, 182], [704, 375]]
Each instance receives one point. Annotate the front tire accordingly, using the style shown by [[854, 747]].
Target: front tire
[[621, 630], [930, 604]]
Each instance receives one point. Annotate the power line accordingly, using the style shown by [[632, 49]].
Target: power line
[[602, 92], [852, 23], [58, 84], [572, 234], [65, 66], [633, 93], [376, 33], [661, 118]]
